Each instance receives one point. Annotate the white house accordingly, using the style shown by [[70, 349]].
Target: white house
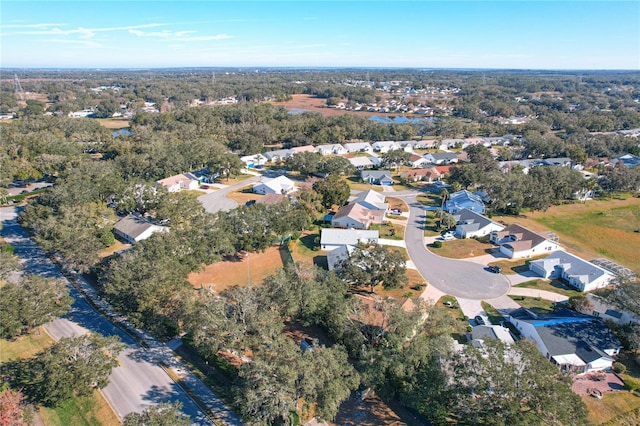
[[134, 228], [576, 342], [609, 312], [361, 163], [464, 200], [331, 238], [441, 157], [518, 242], [252, 161], [178, 182], [385, 146], [416, 161], [371, 199], [358, 147], [470, 224], [278, 185], [278, 155], [335, 149], [338, 255], [583, 275]]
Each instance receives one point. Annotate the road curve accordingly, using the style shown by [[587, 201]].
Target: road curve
[[458, 278], [218, 201], [138, 382]]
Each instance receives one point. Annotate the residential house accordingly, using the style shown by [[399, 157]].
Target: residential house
[[608, 312], [361, 163], [583, 275], [385, 146], [278, 155], [256, 160], [451, 143], [356, 216], [134, 228], [416, 161], [441, 157], [371, 200], [470, 224], [463, 200], [278, 185], [178, 182], [202, 176], [331, 238], [304, 148], [628, 160], [358, 147], [430, 174], [377, 177], [338, 255], [576, 342], [335, 149], [518, 242], [481, 332]]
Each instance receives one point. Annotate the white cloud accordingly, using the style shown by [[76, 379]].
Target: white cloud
[[83, 43], [59, 30], [178, 36]]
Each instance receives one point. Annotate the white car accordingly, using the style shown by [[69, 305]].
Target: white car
[[448, 237]]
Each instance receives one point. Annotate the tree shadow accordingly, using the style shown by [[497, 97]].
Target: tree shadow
[[321, 262]]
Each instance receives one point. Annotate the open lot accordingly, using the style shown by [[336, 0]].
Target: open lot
[[239, 272], [597, 228]]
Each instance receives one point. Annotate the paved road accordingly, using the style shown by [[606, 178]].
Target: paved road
[[458, 278], [138, 382], [217, 200]]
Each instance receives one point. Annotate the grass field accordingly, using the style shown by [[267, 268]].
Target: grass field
[[113, 123], [534, 304], [555, 286], [461, 249], [611, 406], [90, 410], [254, 269], [597, 228], [461, 325]]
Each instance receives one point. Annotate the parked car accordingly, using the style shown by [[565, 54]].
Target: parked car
[[494, 269], [448, 236], [204, 186], [479, 320], [396, 211]]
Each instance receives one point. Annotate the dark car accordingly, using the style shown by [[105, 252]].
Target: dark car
[[494, 269], [479, 320]]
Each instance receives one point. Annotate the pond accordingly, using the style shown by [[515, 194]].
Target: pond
[[122, 132], [400, 119]]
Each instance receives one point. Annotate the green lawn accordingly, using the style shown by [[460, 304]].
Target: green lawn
[[389, 231], [493, 314], [24, 346], [614, 408], [555, 286], [511, 267], [461, 323], [534, 304], [461, 249]]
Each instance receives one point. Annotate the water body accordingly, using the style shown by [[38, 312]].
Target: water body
[[122, 132], [400, 119]]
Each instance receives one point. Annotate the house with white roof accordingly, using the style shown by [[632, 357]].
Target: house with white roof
[[371, 199], [517, 242], [178, 182], [576, 342], [335, 149], [338, 255], [332, 238], [358, 147], [278, 155], [441, 157], [583, 275], [361, 163], [278, 185], [134, 228], [385, 146], [470, 224], [252, 161], [464, 200]]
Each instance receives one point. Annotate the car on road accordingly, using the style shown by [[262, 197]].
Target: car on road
[[494, 269], [479, 320]]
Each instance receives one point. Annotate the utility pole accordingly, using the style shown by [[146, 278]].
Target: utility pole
[[18, 88]]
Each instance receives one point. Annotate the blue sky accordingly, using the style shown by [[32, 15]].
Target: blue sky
[[433, 34]]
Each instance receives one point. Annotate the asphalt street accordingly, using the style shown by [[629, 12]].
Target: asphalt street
[[138, 382], [458, 278], [218, 201]]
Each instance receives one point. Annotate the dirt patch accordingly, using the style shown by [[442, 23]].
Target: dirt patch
[[361, 410], [253, 269]]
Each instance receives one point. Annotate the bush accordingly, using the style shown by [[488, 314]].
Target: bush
[[619, 367], [418, 287], [7, 248], [437, 244], [631, 383]]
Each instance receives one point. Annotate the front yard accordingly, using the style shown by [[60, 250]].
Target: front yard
[[462, 248], [555, 286], [534, 304]]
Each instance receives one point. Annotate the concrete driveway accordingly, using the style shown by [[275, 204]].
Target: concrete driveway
[[459, 278], [218, 201]]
